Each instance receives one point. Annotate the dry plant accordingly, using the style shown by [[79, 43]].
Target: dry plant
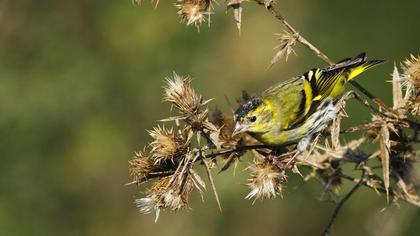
[[199, 138]]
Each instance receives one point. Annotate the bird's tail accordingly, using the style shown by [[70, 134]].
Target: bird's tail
[[359, 65], [329, 82]]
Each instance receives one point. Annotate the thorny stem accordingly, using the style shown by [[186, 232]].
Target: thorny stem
[[381, 189], [237, 149], [269, 6], [337, 209], [356, 128], [370, 95], [199, 158], [391, 115], [151, 176]]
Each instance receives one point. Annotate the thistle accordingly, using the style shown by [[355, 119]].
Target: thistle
[[411, 68], [287, 41], [154, 201], [266, 180], [179, 92], [141, 165], [193, 12], [166, 145]]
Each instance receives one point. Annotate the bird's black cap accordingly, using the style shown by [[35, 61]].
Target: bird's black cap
[[250, 105]]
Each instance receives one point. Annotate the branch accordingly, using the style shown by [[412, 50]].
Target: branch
[[237, 149], [327, 230], [269, 6], [158, 174], [382, 190]]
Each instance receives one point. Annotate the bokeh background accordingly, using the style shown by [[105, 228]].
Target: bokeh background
[[80, 81]]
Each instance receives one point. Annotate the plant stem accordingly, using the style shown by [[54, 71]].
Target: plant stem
[[337, 209]]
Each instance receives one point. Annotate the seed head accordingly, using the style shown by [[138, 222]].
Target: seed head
[[266, 180], [179, 92], [165, 145], [177, 199], [287, 41], [154, 200], [193, 11], [163, 196], [140, 165], [411, 67]]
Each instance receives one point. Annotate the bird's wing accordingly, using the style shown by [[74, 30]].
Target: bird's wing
[[290, 101], [328, 82], [325, 81]]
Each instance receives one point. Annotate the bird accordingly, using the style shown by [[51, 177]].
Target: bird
[[299, 107]]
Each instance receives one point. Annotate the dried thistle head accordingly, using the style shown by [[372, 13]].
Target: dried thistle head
[[140, 165], [177, 198], [166, 145], [266, 180], [179, 92], [193, 12], [154, 199], [411, 67], [287, 41], [162, 195]]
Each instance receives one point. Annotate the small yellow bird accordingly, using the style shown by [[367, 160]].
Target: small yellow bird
[[298, 107]]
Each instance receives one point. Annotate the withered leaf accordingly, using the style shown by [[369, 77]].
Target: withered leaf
[[397, 96], [384, 144]]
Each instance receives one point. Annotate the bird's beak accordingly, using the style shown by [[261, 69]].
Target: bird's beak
[[238, 129]]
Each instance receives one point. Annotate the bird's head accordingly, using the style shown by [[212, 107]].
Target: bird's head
[[254, 117]]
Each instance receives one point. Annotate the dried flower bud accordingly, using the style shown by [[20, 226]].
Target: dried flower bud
[[266, 180], [193, 11], [154, 199], [177, 198], [179, 92], [411, 67], [141, 165], [166, 145], [287, 41], [163, 195]]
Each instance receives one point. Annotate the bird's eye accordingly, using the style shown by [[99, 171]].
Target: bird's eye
[[253, 118]]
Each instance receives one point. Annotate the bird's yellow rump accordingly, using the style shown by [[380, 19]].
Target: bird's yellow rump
[[287, 111]]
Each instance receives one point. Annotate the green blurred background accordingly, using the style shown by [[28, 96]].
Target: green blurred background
[[80, 81]]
